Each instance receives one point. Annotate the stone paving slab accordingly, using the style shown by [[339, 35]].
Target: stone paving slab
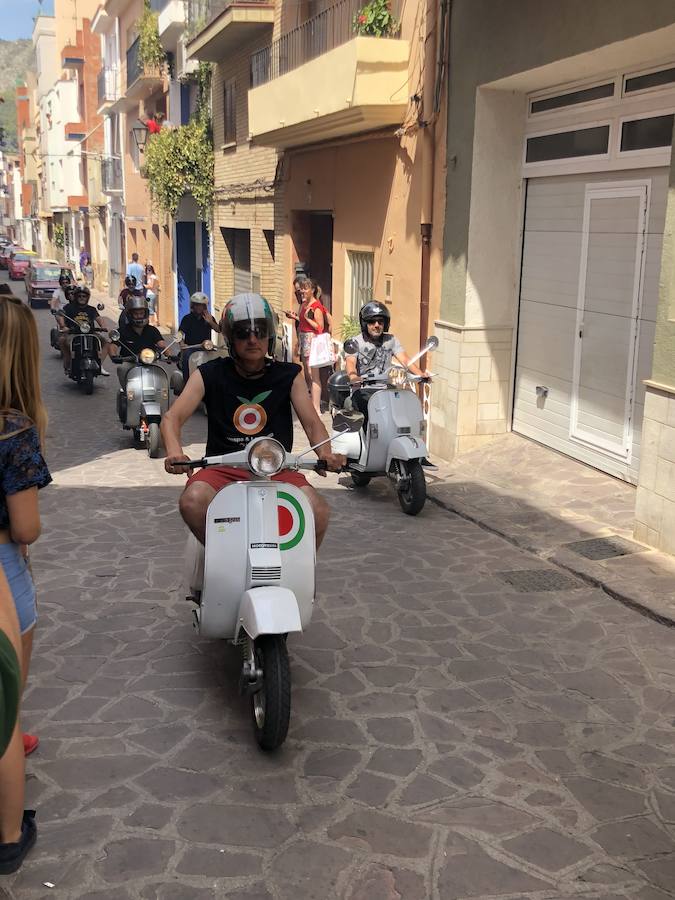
[[543, 501], [451, 737]]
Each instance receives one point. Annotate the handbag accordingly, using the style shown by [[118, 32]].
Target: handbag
[[321, 352]]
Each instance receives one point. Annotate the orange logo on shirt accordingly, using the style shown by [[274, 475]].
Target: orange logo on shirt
[[250, 418]]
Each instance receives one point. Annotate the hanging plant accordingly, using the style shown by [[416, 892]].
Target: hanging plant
[[179, 161], [59, 236], [376, 19], [150, 50]]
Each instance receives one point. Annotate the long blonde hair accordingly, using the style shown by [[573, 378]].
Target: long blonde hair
[[20, 363]]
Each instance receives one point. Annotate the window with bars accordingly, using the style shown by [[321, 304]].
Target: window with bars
[[229, 112], [362, 265]]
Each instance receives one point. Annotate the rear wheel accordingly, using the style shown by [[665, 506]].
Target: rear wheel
[[359, 479], [413, 497], [88, 382], [153, 441], [271, 705]]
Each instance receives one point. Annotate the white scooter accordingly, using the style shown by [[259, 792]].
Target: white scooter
[[393, 441], [253, 581]]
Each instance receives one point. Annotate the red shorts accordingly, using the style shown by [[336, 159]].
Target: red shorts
[[220, 476]]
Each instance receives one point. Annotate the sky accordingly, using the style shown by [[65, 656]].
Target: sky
[[17, 16]]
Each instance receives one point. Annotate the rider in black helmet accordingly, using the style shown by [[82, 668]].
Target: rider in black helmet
[[376, 349], [79, 311]]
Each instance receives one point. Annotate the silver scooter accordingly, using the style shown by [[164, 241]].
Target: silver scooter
[[203, 353], [392, 442], [145, 397]]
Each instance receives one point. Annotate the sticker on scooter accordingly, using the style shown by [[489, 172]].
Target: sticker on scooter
[[250, 418], [291, 521]]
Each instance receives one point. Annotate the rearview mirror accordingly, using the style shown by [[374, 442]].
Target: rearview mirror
[[351, 346], [432, 343], [100, 306], [178, 336], [348, 422], [114, 335]]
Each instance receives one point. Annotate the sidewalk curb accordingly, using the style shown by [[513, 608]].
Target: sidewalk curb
[[590, 574]]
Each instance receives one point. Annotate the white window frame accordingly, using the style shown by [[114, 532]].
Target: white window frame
[[648, 71], [646, 152], [572, 89], [562, 129], [353, 310]]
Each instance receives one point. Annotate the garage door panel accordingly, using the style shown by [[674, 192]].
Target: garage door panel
[[535, 350], [601, 415], [604, 365]]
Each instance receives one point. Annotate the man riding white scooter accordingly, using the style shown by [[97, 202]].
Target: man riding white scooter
[[196, 327], [377, 349], [247, 395]]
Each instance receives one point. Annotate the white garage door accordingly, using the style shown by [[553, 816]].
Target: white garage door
[[589, 291]]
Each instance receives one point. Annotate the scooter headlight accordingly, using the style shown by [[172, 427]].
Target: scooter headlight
[[266, 457], [84, 328], [397, 376], [147, 356], [207, 345]]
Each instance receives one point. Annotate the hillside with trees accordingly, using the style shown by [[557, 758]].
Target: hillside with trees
[[16, 58]]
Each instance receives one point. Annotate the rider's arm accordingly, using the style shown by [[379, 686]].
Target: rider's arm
[[212, 322], [178, 414], [351, 366], [310, 421]]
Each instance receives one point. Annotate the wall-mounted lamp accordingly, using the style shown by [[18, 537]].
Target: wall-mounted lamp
[[140, 133]]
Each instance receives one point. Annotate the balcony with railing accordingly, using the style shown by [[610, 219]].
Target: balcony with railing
[[142, 79], [111, 175], [217, 27], [357, 83], [108, 87], [170, 22]]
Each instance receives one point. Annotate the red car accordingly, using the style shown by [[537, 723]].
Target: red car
[[18, 264], [42, 279]]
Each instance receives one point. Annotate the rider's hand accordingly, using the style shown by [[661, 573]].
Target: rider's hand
[[176, 470], [335, 462], [291, 315]]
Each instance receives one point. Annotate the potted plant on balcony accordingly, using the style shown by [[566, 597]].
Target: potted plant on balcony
[[375, 19], [150, 51]]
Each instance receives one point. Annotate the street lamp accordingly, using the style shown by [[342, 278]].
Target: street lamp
[[140, 133]]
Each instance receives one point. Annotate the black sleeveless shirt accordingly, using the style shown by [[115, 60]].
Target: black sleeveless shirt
[[240, 409]]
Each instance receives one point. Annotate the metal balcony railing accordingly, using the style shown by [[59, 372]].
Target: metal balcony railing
[[111, 174], [201, 13], [327, 30], [136, 68], [107, 85]]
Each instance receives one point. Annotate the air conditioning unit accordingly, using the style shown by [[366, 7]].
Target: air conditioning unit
[[184, 66]]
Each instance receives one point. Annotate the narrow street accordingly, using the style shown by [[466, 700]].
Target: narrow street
[[466, 722]]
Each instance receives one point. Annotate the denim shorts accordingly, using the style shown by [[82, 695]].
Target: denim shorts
[[21, 585]]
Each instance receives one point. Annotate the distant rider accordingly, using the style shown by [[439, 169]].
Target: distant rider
[[80, 312], [247, 395], [196, 327], [136, 336]]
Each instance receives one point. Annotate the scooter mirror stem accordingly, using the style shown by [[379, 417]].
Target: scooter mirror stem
[[321, 443], [429, 347]]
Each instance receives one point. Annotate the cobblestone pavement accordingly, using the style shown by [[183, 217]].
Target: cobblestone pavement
[[468, 721]]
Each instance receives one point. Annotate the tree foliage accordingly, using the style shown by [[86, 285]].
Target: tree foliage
[[179, 161], [150, 50]]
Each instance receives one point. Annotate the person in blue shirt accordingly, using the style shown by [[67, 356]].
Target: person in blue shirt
[[136, 269]]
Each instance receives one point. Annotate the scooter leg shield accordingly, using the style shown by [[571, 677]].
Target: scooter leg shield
[[268, 610]]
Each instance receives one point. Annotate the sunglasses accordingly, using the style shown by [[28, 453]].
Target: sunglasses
[[378, 321], [242, 332]]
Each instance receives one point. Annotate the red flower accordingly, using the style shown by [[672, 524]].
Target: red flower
[[362, 19]]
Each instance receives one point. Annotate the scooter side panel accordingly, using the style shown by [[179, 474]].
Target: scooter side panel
[[297, 546]]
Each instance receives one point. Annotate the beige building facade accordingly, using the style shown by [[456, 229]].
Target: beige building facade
[[555, 314]]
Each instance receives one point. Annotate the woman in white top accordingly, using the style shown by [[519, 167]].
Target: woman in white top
[[151, 292]]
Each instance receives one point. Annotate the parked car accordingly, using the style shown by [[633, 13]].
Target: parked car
[[5, 253], [18, 263], [42, 279]]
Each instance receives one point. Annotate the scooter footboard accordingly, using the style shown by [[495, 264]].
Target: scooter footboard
[[268, 610]]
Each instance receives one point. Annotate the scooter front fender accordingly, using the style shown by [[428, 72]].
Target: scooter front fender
[[268, 610], [406, 447], [151, 411]]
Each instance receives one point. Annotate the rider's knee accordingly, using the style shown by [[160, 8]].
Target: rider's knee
[[321, 511], [194, 501]]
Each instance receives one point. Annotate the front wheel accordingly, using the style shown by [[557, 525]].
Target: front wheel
[[359, 479], [88, 382], [271, 705], [413, 496], [152, 440]]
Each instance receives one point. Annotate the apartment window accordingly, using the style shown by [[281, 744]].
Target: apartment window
[[648, 81], [644, 134], [584, 95], [229, 112], [568, 144], [362, 266]]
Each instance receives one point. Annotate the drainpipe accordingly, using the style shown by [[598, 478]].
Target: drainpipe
[[434, 72]]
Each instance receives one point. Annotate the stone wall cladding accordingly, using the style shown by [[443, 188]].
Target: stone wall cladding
[[470, 394], [655, 501]]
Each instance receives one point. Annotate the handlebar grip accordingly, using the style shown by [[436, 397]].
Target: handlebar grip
[[321, 465], [189, 463]]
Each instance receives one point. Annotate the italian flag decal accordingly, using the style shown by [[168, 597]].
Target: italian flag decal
[[291, 521]]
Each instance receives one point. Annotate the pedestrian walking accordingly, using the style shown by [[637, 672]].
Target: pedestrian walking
[[85, 258], [315, 341], [136, 269], [293, 314], [23, 471], [151, 285], [17, 826]]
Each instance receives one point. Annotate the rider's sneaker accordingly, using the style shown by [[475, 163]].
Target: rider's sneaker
[[30, 743], [105, 373]]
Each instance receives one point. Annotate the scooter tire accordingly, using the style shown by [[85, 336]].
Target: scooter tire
[[153, 440], [359, 479], [88, 382], [271, 705], [413, 498]]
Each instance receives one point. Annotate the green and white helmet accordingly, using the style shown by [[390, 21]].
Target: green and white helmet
[[248, 311]]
